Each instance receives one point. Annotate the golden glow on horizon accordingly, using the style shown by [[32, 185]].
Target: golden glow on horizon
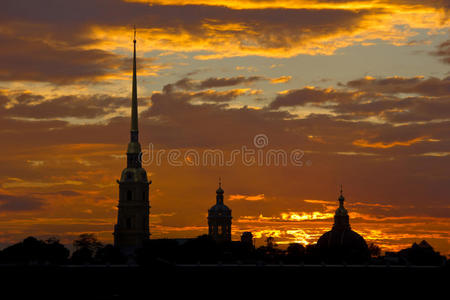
[[315, 215]]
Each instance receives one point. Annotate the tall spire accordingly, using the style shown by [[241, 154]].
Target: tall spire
[[134, 148], [134, 105]]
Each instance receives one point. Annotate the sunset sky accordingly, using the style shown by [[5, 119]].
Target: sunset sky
[[360, 87]]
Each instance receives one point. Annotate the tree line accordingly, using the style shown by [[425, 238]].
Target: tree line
[[87, 249]]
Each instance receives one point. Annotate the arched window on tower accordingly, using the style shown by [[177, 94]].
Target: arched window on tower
[[129, 195], [219, 230]]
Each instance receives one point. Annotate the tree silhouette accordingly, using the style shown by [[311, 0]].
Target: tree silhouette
[[56, 252], [87, 240], [295, 253], [34, 251], [374, 250], [86, 247], [270, 242]]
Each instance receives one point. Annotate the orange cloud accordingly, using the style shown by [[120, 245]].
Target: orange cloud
[[295, 216], [259, 197], [380, 145], [282, 79]]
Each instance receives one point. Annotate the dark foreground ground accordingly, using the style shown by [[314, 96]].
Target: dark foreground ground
[[213, 281]]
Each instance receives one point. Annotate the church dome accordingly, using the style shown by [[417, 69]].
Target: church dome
[[220, 208], [342, 239], [341, 243], [134, 175]]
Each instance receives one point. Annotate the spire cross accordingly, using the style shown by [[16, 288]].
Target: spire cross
[[220, 182], [341, 189], [134, 40]]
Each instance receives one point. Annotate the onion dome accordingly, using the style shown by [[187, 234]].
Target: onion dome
[[219, 206]]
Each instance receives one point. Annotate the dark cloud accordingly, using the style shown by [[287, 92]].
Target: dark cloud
[[222, 82], [301, 97], [47, 41], [204, 119], [190, 18], [19, 203], [91, 106], [380, 98], [212, 82], [37, 60], [431, 86], [173, 111], [411, 109], [53, 41], [439, 4], [443, 51], [214, 96]]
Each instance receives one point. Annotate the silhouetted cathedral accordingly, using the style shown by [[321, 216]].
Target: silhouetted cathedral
[[342, 243], [219, 218], [132, 227]]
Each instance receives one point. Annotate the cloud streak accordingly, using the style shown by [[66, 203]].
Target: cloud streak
[[14, 203]]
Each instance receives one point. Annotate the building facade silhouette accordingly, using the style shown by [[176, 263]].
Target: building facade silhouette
[[219, 218], [132, 228], [342, 243]]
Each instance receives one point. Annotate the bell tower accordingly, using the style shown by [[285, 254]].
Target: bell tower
[[132, 227], [219, 218]]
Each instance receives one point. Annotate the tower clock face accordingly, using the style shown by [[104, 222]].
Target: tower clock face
[[129, 175]]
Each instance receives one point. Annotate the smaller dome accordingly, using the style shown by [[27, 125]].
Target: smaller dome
[[220, 207], [134, 174], [341, 211]]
